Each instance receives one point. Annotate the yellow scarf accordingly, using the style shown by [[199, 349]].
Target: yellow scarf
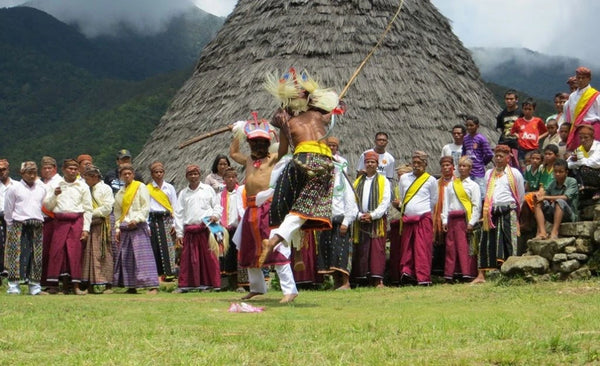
[[160, 197], [582, 103], [379, 231], [488, 203], [411, 191], [583, 151], [462, 196], [128, 196]]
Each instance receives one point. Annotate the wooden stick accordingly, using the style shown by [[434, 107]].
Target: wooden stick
[[193, 140]]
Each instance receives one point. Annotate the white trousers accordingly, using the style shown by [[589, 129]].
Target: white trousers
[[286, 280], [289, 230]]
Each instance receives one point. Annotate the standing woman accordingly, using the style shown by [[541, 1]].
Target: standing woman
[[215, 179]]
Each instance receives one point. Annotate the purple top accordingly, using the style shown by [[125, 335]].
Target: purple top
[[478, 149]]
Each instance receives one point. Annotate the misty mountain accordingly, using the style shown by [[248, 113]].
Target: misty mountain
[[535, 73]]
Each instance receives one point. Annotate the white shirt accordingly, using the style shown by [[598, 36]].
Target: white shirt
[[233, 217], [385, 200], [74, 198], [502, 193], [344, 202], [23, 202], [139, 210], [3, 189], [194, 205], [56, 178], [171, 195], [424, 200], [103, 195], [593, 161], [593, 114], [386, 164], [341, 161], [452, 203], [452, 150]]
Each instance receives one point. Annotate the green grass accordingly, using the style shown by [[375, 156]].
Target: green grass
[[551, 323]]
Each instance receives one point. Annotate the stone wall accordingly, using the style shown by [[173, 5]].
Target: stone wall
[[574, 255]]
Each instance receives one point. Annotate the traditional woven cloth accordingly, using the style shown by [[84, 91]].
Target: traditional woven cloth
[[24, 251], [134, 264], [162, 242]]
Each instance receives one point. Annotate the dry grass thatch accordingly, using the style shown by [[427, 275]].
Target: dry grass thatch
[[418, 84]]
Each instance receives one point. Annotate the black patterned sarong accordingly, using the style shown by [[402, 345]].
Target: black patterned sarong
[[499, 242], [24, 251], [304, 188], [162, 242], [334, 249]]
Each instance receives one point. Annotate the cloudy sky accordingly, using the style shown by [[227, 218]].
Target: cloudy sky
[[554, 27]]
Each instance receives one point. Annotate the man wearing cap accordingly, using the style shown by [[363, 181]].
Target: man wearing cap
[[71, 203], [5, 182], [97, 254], [585, 160], [163, 201], [374, 196], [254, 226], [49, 171], [439, 235], [23, 214], [572, 83], [84, 160], [505, 192], [418, 195], [385, 161], [51, 179], [134, 262], [112, 177], [197, 207], [583, 106]]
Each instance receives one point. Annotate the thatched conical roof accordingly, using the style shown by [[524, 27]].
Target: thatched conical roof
[[418, 84]]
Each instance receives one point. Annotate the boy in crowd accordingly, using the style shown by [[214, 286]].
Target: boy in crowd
[[529, 130], [477, 148]]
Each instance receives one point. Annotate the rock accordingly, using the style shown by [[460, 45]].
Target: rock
[[560, 257], [547, 248], [584, 245], [580, 228], [570, 249], [525, 265], [597, 236], [582, 273], [597, 213], [594, 261], [579, 256], [587, 213], [569, 266]]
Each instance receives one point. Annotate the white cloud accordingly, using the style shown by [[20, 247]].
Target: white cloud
[[220, 8]]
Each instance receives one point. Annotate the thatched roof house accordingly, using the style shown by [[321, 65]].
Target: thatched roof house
[[418, 84]]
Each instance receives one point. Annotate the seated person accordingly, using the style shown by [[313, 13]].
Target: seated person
[[558, 203], [585, 160]]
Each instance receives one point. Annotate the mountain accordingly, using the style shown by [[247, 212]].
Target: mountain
[[534, 73], [62, 94]]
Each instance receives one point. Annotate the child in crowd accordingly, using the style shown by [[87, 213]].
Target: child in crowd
[[529, 130], [553, 138], [533, 172], [563, 132], [477, 147]]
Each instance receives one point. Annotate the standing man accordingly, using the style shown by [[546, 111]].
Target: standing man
[[439, 235], [374, 197], [230, 219], [23, 214], [505, 122], [97, 254], [49, 171], [503, 199], [71, 203], [199, 266], [112, 178], [5, 182], [455, 149], [385, 162], [418, 194], [163, 202], [51, 179], [134, 263], [254, 227], [583, 106], [84, 160]]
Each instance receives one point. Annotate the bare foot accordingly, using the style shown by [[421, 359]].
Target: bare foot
[[343, 287], [152, 291], [288, 298], [267, 248], [380, 285], [552, 236], [251, 295], [478, 281]]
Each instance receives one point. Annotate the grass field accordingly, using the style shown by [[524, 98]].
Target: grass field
[[551, 323]]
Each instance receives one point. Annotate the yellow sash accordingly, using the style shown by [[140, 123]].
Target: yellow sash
[[380, 230], [314, 147], [463, 197], [128, 196], [160, 197], [585, 153], [412, 190], [583, 101]]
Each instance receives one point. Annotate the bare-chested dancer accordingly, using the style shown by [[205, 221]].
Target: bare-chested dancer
[[303, 194], [255, 223]]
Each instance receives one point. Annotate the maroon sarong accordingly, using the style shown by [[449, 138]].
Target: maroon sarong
[[395, 252], [416, 242], [255, 228], [66, 249], [199, 266], [47, 230], [458, 260], [368, 257], [309, 253]]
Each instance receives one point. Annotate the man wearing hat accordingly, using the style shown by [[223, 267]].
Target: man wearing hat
[[49, 171], [418, 194], [505, 192], [51, 178], [112, 177], [385, 161], [5, 182], [97, 254], [585, 160], [84, 160], [23, 214], [254, 226], [71, 204], [583, 106], [374, 196], [197, 207]]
